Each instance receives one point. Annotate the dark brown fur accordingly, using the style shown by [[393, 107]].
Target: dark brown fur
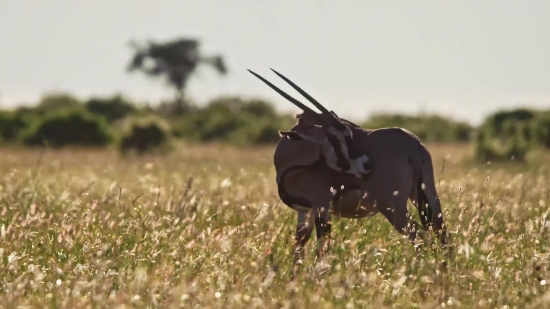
[[400, 165]]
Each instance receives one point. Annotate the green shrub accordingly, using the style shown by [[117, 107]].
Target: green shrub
[[145, 134], [491, 148], [233, 120], [112, 108], [57, 101], [69, 128], [512, 133], [12, 123], [497, 122], [261, 131], [429, 128], [219, 125], [541, 129]]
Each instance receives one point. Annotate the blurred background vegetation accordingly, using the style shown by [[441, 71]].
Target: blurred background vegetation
[[61, 119]]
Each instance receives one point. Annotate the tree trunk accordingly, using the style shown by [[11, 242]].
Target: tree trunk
[[179, 104]]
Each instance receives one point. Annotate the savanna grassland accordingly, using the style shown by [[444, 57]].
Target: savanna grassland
[[203, 227]]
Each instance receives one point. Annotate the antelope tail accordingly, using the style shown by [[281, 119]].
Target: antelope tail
[[427, 200], [428, 203]]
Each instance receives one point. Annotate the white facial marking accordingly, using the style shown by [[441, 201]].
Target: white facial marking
[[357, 167], [330, 155]]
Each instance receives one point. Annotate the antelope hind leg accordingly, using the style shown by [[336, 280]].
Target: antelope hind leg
[[303, 233], [429, 209]]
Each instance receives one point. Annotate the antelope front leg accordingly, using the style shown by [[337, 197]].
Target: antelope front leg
[[303, 232], [323, 228]]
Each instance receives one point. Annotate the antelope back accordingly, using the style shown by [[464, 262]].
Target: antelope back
[[397, 158]]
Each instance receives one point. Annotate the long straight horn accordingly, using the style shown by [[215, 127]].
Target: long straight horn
[[307, 96], [285, 95]]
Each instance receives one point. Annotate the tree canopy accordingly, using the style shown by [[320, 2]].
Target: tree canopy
[[176, 61]]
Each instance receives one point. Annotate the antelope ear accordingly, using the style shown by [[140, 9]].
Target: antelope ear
[[291, 135]]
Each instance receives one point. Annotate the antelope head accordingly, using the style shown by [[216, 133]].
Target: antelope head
[[325, 129]]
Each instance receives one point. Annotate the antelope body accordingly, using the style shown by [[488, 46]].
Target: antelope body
[[327, 166]]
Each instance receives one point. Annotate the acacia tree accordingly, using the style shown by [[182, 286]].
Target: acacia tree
[[174, 60]]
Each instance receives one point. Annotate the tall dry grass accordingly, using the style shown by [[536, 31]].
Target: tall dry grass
[[204, 228]]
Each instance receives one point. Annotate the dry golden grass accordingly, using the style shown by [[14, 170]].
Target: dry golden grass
[[204, 228]]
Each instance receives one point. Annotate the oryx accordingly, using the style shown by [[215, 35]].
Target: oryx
[[327, 165]]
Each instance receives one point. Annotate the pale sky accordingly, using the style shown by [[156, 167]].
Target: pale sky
[[458, 58]]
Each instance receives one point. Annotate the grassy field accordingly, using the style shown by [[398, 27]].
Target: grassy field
[[204, 228]]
